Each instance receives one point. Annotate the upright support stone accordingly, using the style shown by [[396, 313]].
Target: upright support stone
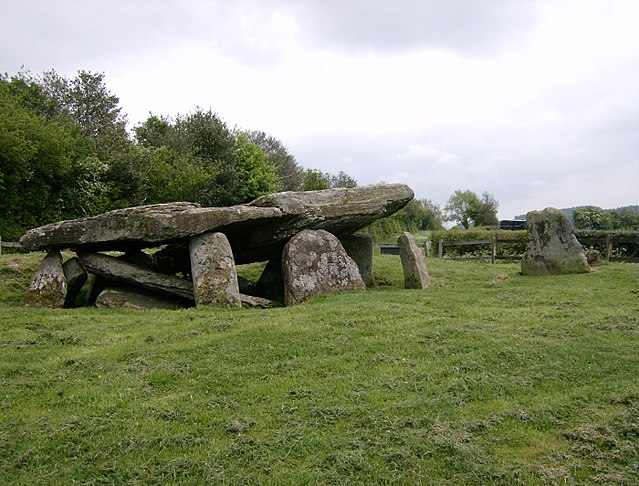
[[213, 270], [271, 282], [315, 263], [552, 247], [49, 285], [415, 273], [76, 277], [360, 248]]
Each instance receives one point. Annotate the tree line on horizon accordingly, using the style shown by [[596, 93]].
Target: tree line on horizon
[[65, 153]]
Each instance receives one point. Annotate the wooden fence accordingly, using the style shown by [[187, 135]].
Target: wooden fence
[[9, 244], [493, 242], [604, 240]]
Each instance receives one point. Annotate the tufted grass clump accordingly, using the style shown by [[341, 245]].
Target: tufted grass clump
[[487, 377]]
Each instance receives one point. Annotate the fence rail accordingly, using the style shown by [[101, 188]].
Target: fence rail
[[9, 245], [605, 240]]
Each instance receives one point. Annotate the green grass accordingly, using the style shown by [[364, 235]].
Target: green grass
[[473, 381]]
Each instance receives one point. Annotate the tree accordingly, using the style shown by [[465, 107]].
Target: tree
[[590, 217], [87, 102], [432, 216], [463, 207], [628, 219], [37, 160], [257, 175], [487, 211], [342, 180], [315, 180], [290, 176]]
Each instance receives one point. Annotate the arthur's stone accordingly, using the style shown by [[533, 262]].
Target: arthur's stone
[[415, 273], [214, 273], [552, 247], [315, 263]]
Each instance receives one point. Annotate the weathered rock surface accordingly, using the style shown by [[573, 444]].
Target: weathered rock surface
[[257, 231], [415, 273], [144, 226], [49, 285], [315, 263], [213, 269], [76, 277], [552, 247], [360, 248], [115, 269], [136, 298], [253, 302]]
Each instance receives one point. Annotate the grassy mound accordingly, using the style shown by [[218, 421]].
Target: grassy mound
[[488, 377]]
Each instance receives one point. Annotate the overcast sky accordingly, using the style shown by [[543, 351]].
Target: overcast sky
[[534, 101]]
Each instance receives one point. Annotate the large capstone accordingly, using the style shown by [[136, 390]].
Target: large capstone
[[256, 231], [552, 247], [415, 273], [49, 285], [315, 263], [214, 274]]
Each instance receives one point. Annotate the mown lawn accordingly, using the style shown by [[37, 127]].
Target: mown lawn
[[475, 380]]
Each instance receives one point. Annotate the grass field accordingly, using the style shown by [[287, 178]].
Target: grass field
[[522, 380]]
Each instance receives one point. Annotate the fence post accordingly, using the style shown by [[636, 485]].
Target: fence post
[[440, 253], [608, 247], [493, 248]]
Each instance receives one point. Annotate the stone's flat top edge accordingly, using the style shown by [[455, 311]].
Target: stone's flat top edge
[[327, 194]]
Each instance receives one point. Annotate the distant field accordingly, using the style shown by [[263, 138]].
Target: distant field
[[476, 380]]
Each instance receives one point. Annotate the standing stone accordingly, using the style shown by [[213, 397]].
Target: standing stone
[[552, 247], [360, 248], [415, 273], [315, 263], [214, 273], [76, 277], [49, 285]]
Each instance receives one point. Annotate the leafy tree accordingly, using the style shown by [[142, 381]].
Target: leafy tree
[[463, 207], [37, 159], [154, 132], [590, 217], [87, 102], [342, 179], [487, 211], [628, 219], [257, 175], [468, 209], [315, 180], [432, 216], [290, 175]]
